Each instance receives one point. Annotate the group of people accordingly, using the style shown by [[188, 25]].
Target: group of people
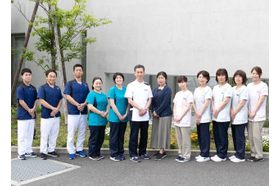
[[242, 106]]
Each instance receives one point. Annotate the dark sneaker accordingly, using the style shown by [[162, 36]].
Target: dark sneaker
[[258, 159], [81, 154], [146, 156], [115, 158], [251, 158], [160, 156], [43, 156], [178, 158], [22, 157], [155, 154], [121, 157], [52, 154], [71, 156], [182, 160], [30, 155], [96, 158], [135, 159]]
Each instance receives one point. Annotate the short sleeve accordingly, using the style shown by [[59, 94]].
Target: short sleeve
[[20, 93], [228, 92], [90, 98], [128, 92], [67, 89], [41, 93], [111, 93], [190, 98], [150, 92], [208, 94], [244, 94], [264, 90]]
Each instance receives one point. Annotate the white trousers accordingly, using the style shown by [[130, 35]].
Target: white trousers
[[49, 133], [76, 122], [25, 135]]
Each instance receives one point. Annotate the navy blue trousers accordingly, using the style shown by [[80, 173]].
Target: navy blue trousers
[[117, 130], [204, 139], [220, 130], [96, 140], [135, 126], [238, 136]]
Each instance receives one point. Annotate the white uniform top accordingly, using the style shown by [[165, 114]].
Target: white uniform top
[[219, 94], [182, 100], [255, 91], [200, 96], [240, 94], [139, 92]]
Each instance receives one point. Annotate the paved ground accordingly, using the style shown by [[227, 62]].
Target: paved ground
[[165, 172]]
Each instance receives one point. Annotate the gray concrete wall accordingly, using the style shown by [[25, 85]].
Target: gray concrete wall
[[177, 36]]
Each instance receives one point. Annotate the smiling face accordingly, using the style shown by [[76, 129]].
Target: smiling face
[[202, 80], [161, 80], [51, 77], [119, 80], [26, 77], [221, 79], [238, 80], [139, 74], [97, 84], [255, 76]]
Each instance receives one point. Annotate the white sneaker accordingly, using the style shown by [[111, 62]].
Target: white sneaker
[[232, 157], [197, 157], [202, 159], [217, 159], [237, 160]]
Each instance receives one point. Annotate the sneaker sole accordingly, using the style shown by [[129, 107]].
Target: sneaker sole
[[203, 160], [161, 158], [114, 159]]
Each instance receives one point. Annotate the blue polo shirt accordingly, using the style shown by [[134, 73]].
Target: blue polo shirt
[[120, 102], [79, 93], [98, 100], [29, 95], [52, 96]]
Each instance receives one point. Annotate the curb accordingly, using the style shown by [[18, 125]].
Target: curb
[[106, 151]]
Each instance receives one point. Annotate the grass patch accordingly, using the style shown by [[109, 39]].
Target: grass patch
[[62, 137]]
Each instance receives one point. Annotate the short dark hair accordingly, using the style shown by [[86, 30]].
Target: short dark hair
[[49, 71], [26, 70], [242, 74], [162, 73], [205, 74], [139, 66], [118, 74], [257, 69], [221, 72], [181, 79], [94, 79], [77, 65]]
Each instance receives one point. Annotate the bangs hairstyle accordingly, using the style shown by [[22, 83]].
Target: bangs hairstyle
[[205, 74], [26, 70], [181, 79], [242, 74], [117, 74], [49, 71], [221, 72], [77, 65], [94, 79], [162, 73], [257, 69]]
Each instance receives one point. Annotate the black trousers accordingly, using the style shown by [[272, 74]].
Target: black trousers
[[204, 139], [135, 126], [220, 130], [238, 136], [117, 130], [96, 140]]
